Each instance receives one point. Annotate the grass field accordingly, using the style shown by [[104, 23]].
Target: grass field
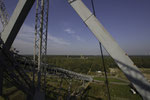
[[109, 79], [94, 91], [117, 92]]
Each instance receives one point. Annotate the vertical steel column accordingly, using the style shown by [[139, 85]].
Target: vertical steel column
[[45, 40], [40, 42], [41, 29]]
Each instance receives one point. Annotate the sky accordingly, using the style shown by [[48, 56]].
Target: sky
[[128, 21]]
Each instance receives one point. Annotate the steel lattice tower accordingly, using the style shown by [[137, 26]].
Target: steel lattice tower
[[3, 14], [41, 29], [4, 20]]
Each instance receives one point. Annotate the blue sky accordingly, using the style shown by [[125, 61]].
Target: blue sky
[[128, 21]]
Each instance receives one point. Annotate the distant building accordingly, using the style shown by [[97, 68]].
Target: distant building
[[83, 57], [68, 56], [113, 70], [99, 72]]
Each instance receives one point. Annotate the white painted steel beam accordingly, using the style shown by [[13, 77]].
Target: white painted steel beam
[[121, 58], [11, 30]]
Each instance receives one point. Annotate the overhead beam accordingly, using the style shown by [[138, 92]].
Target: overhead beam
[[121, 58], [12, 28]]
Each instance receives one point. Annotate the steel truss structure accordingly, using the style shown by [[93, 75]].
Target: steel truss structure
[[51, 69], [3, 14], [41, 29], [10, 69], [13, 66]]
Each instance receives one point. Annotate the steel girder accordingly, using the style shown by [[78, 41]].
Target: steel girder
[[11, 30], [7, 37], [121, 58], [53, 70]]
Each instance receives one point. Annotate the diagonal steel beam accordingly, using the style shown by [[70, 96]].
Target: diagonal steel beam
[[121, 58], [11, 30]]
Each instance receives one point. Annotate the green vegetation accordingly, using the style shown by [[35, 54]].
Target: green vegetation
[[92, 63], [1, 98], [77, 64], [109, 79], [145, 70], [82, 64], [12, 94], [117, 92], [95, 91], [87, 65], [141, 61], [121, 92]]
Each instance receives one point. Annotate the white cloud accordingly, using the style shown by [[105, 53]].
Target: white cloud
[[72, 33], [26, 34], [58, 40], [25, 40], [24, 47], [69, 31], [78, 38]]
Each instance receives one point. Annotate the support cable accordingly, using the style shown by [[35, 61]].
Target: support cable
[[102, 55]]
